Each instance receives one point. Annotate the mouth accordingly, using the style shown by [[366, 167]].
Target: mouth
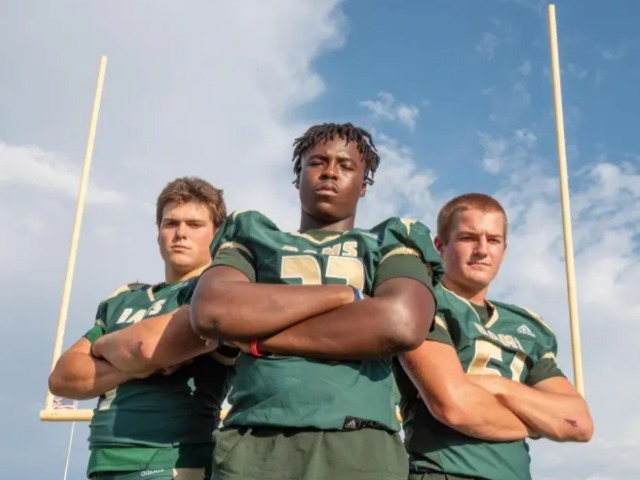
[[179, 248], [326, 190]]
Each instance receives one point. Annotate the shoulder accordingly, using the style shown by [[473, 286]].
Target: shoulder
[[126, 289], [402, 227], [528, 316], [249, 218]]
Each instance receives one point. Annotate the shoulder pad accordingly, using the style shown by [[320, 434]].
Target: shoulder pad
[[129, 287], [525, 312]]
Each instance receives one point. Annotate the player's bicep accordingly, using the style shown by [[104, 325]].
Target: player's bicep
[[81, 346]]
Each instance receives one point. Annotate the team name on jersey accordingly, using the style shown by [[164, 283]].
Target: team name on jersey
[[127, 317], [505, 340], [344, 249]]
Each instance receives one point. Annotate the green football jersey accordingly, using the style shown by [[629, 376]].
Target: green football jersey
[[291, 391], [514, 343], [163, 421]]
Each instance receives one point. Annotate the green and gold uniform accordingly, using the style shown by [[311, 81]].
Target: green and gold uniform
[[299, 418], [495, 339], [161, 423]]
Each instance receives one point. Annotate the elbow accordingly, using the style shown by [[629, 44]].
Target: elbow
[[208, 315], [56, 384], [580, 430], [61, 387], [407, 333], [452, 414]]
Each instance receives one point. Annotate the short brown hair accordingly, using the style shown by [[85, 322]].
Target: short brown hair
[[193, 189], [468, 201]]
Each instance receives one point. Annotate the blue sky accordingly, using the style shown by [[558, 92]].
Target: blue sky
[[457, 94]]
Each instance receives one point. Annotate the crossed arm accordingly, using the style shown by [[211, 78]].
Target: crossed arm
[[80, 376], [494, 408], [553, 406], [455, 400], [313, 321]]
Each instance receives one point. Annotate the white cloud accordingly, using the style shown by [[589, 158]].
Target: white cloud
[[40, 170], [487, 45], [385, 107], [577, 71], [402, 187], [185, 94], [500, 153], [525, 68], [613, 53], [605, 204]]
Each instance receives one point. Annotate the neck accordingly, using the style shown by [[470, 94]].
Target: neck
[[473, 295], [307, 222], [171, 275]]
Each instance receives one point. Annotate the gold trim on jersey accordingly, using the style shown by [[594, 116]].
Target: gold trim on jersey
[[239, 246], [407, 222], [441, 323], [306, 236], [494, 315], [150, 294], [401, 251], [108, 399], [100, 323], [549, 356], [124, 288], [537, 318]]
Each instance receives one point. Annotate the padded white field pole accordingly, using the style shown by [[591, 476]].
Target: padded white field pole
[[564, 197], [77, 223]]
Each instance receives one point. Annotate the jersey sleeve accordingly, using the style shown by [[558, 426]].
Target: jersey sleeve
[[233, 245], [99, 327], [407, 250], [440, 332], [546, 367]]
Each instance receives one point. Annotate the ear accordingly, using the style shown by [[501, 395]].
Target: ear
[[363, 189], [439, 245]]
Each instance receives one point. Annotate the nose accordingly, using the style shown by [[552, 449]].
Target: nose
[[330, 170], [181, 230], [481, 246]]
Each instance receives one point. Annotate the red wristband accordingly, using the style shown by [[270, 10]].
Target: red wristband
[[254, 348]]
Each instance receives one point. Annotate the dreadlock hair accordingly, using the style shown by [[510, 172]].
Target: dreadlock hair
[[327, 132]]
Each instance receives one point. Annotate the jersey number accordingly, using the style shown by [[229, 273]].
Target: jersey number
[[485, 351], [306, 268]]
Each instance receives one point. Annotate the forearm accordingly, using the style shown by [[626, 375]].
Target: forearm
[[153, 343], [556, 416], [80, 376], [457, 402], [484, 417], [352, 332], [395, 320], [245, 311]]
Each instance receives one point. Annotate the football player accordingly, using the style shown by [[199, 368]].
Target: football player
[[486, 378], [152, 424], [319, 312]]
